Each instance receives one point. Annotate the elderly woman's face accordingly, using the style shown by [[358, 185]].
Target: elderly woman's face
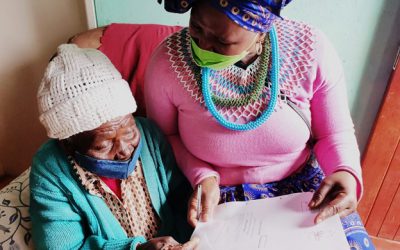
[[113, 140], [214, 31]]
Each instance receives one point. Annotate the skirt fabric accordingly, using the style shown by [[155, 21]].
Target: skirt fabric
[[307, 179]]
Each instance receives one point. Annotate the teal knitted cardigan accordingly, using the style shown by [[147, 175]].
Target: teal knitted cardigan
[[65, 216]]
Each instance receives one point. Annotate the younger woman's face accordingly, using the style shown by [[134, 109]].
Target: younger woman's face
[[113, 140], [214, 31]]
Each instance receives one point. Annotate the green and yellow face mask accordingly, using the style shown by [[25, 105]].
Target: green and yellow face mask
[[212, 60]]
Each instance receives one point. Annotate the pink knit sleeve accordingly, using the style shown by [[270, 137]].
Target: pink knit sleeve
[[162, 102], [336, 145]]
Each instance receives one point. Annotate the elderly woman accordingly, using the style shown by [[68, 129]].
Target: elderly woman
[[107, 180], [250, 102]]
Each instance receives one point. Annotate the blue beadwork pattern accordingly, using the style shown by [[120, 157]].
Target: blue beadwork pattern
[[255, 15]]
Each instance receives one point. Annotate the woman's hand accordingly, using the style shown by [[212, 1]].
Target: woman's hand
[[337, 194], [168, 243], [209, 200]]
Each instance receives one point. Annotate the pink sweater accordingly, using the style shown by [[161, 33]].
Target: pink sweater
[[311, 76]]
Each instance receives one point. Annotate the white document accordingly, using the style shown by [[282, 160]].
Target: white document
[[281, 223]]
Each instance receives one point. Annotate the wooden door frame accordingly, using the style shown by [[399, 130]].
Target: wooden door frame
[[90, 14], [378, 164]]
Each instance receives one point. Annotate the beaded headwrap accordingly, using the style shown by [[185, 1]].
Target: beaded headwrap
[[253, 15]]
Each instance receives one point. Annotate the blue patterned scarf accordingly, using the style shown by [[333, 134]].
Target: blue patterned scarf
[[253, 15]]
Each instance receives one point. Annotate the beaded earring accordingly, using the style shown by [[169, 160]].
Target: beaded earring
[[259, 48]]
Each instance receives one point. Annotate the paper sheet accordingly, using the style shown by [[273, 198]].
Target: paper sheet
[[280, 223]]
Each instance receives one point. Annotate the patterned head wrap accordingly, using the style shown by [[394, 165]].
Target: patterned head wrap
[[253, 15]]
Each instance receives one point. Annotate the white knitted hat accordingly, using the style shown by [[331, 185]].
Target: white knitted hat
[[81, 90]]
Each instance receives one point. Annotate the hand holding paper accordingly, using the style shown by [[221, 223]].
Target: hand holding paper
[[336, 195], [283, 223]]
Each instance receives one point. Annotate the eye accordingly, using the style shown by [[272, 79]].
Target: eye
[[102, 146], [129, 136], [225, 43]]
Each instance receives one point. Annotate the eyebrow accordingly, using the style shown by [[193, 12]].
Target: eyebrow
[[104, 131]]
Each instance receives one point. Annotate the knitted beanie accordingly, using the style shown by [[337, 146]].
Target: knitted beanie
[[81, 90]]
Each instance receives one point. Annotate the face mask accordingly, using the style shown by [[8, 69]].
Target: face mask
[[109, 168], [212, 60]]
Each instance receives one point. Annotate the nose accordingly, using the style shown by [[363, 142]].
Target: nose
[[123, 151]]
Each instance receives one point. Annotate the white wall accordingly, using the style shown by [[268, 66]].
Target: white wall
[[30, 31], [366, 34]]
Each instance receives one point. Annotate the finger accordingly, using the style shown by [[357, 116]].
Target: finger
[[207, 208], [170, 241], [177, 247], [192, 211], [346, 212], [337, 206], [157, 243], [191, 244], [320, 194], [352, 206]]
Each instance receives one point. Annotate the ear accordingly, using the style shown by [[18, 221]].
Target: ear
[[67, 145], [79, 142]]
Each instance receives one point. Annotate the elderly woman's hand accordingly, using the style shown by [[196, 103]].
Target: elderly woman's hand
[[209, 200], [168, 243], [336, 195]]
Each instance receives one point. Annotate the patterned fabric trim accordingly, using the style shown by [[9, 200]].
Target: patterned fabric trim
[[295, 45], [134, 212], [15, 220]]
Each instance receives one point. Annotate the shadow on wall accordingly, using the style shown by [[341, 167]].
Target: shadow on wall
[[45, 25], [21, 131], [378, 69]]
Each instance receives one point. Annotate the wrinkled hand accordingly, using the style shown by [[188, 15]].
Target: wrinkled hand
[[337, 194], [209, 200], [168, 243]]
